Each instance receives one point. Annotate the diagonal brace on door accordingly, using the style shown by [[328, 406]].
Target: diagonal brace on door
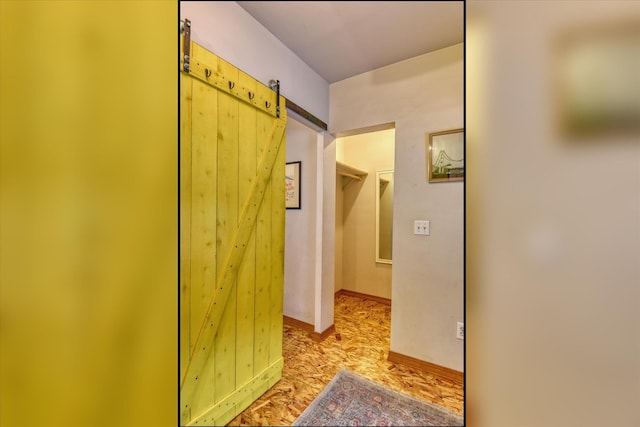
[[227, 275]]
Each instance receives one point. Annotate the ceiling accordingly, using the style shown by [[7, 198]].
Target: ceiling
[[341, 39]]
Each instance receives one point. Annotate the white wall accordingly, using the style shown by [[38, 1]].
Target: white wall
[[421, 95], [300, 239], [226, 29], [327, 294]]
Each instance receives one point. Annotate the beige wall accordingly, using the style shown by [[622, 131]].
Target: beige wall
[[553, 219], [369, 152], [421, 95]]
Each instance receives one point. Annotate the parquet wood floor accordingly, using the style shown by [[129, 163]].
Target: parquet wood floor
[[360, 344]]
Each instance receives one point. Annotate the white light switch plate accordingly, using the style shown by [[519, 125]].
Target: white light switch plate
[[460, 330], [421, 227]]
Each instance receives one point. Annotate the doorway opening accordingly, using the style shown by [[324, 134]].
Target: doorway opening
[[361, 159]]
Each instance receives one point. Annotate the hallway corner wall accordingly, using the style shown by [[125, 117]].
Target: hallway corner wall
[[420, 95]]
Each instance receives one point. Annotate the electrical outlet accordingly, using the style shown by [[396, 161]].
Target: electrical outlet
[[421, 227], [460, 331]]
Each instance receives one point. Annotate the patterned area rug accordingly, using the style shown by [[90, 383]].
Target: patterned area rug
[[352, 400]]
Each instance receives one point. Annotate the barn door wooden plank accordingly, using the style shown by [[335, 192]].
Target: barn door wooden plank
[[277, 258], [228, 210], [237, 248], [217, 415], [263, 263], [186, 84], [204, 155], [247, 273], [208, 68], [203, 199]]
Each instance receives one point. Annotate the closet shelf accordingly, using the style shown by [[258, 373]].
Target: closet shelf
[[350, 172]]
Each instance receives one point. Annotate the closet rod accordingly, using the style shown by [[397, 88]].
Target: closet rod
[[359, 178]]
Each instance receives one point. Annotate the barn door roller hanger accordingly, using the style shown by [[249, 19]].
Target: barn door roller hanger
[[275, 85], [185, 28]]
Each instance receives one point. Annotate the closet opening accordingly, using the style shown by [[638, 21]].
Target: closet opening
[[365, 166]]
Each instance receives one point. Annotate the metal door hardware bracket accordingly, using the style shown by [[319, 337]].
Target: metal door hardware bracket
[[275, 85], [187, 44]]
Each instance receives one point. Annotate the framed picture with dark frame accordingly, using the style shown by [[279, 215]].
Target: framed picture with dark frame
[[293, 188], [445, 156]]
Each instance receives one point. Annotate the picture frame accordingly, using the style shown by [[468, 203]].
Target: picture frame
[[293, 174], [445, 156]]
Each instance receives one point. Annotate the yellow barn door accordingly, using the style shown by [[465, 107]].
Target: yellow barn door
[[232, 212]]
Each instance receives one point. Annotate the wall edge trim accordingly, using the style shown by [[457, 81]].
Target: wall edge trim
[[386, 301], [309, 328], [431, 368]]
